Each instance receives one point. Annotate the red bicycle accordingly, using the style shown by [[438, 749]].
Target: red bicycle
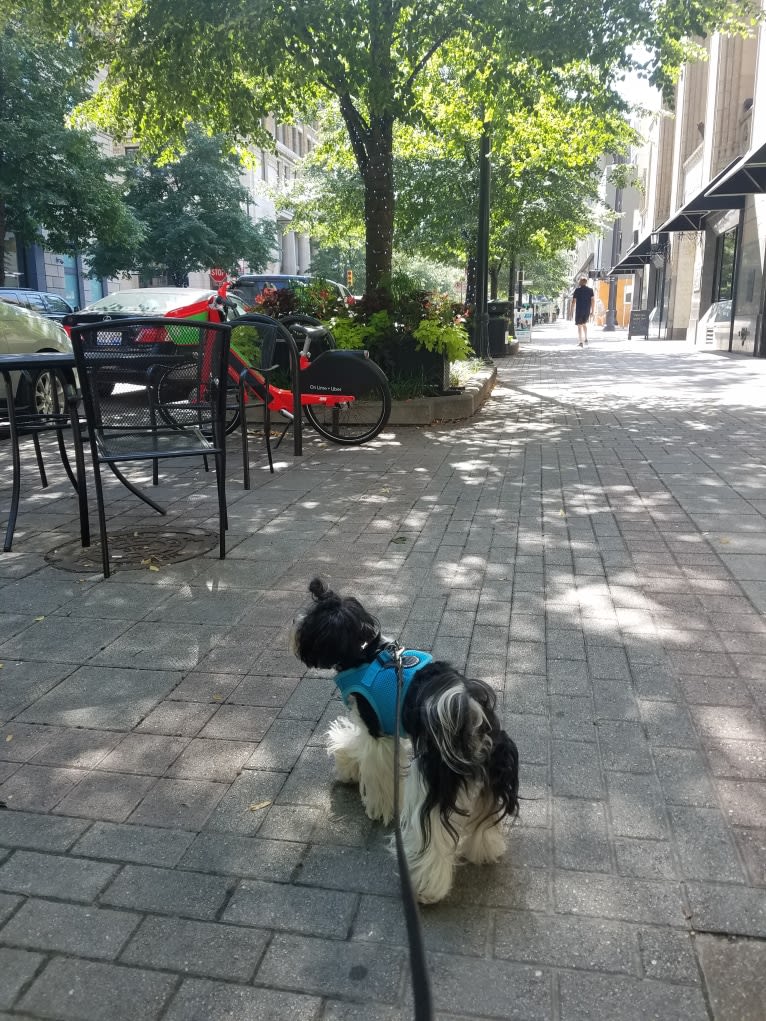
[[344, 395]]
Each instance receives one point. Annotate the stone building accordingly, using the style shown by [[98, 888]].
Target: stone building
[[698, 260]]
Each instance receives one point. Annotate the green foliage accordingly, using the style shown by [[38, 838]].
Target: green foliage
[[438, 331], [333, 261], [247, 342], [444, 338], [227, 66], [191, 209], [56, 186], [316, 298], [355, 333]]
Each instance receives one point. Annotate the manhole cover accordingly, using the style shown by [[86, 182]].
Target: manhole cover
[[135, 550]]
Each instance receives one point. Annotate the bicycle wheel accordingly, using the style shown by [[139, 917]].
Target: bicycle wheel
[[355, 421], [176, 391]]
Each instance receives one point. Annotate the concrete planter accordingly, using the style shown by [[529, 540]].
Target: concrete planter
[[453, 408]]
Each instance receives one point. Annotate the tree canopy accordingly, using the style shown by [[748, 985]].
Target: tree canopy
[[226, 64], [56, 186], [190, 208]]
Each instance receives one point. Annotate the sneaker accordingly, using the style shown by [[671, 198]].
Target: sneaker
[[579, 343]]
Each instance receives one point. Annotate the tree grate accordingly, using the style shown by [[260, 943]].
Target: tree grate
[[144, 550]]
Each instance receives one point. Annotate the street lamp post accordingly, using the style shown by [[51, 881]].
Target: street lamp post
[[481, 316], [611, 312]]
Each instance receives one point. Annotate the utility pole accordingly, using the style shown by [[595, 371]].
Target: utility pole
[[611, 312]]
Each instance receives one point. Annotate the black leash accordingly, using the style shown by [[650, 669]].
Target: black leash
[[421, 986]]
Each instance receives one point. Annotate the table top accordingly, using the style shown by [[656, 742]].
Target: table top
[[54, 359]]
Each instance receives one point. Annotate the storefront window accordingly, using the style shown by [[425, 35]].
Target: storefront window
[[725, 255]]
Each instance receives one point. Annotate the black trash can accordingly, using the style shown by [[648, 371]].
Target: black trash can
[[497, 329]]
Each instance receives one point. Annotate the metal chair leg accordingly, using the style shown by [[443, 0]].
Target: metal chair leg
[[223, 523], [39, 456]]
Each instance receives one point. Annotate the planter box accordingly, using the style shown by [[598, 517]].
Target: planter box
[[405, 359]]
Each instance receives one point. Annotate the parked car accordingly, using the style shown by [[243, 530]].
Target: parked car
[[51, 306], [250, 286], [177, 302], [155, 302], [24, 332]]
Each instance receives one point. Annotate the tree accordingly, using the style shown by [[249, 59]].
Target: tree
[[547, 150], [191, 211], [227, 65], [56, 186]]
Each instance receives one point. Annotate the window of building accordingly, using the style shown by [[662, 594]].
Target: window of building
[[725, 256], [71, 280]]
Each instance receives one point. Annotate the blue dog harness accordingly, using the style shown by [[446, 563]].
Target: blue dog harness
[[377, 682]]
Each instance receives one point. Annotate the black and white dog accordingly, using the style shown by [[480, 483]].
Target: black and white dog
[[463, 775]]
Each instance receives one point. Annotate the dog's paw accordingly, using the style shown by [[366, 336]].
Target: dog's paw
[[346, 767], [484, 846], [432, 884], [377, 805]]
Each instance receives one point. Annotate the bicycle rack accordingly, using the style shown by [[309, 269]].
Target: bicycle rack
[[267, 356]]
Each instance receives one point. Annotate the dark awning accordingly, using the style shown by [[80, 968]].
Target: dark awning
[[691, 215], [634, 259], [746, 177]]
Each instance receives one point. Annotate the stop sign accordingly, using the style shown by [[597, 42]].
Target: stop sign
[[218, 275]]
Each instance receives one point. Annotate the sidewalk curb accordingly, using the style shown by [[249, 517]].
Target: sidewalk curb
[[430, 410]]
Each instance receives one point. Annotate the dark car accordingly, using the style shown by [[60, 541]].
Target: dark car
[[250, 286], [52, 306]]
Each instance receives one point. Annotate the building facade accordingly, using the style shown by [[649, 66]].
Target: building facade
[[698, 258], [594, 256]]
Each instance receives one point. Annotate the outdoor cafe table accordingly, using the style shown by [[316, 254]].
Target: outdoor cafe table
[[22, 421]]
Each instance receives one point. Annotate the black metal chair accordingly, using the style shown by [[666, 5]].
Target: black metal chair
[[154, 389], [52, 407]]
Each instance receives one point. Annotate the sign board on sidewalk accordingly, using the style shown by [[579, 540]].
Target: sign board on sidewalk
[[523, 324], [639, 323], [218, 275]]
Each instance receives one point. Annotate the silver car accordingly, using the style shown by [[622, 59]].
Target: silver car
[[23, 332]]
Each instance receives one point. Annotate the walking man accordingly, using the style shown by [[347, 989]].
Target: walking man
[[583, 303]]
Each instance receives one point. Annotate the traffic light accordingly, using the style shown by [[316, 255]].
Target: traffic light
[[349, 278]]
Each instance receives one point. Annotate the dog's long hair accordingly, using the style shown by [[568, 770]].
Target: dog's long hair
[[459, 744], [463, 778]]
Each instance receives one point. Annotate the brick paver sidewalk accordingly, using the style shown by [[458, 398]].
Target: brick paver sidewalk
[[592, 544]]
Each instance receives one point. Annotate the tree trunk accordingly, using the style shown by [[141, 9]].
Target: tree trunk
[[494, 273], [470, 278], [2, 243], [378, 178]]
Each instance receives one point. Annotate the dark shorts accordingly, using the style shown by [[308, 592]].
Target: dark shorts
[[581, 320]]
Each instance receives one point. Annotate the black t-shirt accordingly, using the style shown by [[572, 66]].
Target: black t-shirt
[[583, 296]]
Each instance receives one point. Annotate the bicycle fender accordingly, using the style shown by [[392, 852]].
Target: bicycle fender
[[341, 372]]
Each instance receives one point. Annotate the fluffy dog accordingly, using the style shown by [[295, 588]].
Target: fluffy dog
[[463, 775]]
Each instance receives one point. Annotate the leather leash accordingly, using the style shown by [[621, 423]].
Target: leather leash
[[421, 986]]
